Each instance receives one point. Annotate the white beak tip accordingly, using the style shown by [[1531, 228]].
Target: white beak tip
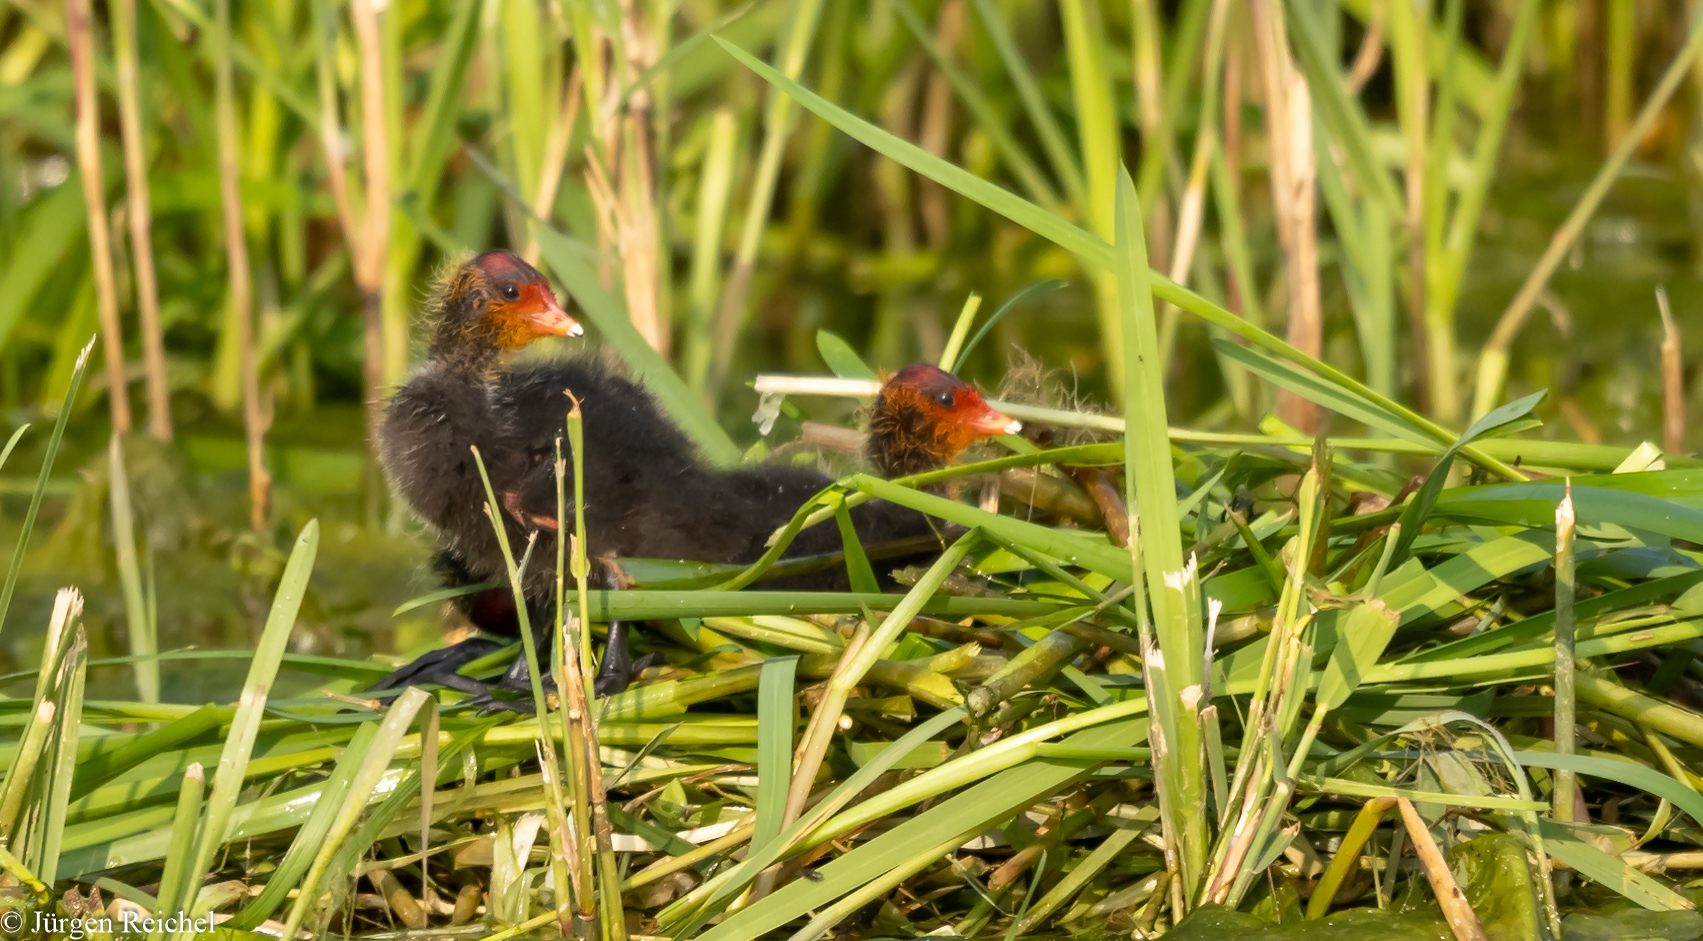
[[1013, 427]]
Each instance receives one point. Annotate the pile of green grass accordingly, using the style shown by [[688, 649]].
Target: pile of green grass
[[1046, 733]]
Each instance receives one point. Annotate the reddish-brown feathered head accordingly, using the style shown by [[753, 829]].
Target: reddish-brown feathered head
[[924, 417], [495, 303]]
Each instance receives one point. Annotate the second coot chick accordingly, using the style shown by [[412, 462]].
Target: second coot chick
[[648, 495]]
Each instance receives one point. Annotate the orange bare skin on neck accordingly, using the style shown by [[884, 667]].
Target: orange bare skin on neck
[[491, 306]]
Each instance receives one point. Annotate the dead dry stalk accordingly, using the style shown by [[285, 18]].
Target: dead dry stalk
[[139, 215], [236, 262], [79, 30], [374, 247], [932, 203], [1462, 921], [1289, 132], [1673, 379]]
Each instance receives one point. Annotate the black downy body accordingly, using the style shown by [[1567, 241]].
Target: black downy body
[[648, 494]]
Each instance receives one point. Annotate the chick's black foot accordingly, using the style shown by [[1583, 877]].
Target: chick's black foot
[[616, 670], [513, 691], [439, 667]]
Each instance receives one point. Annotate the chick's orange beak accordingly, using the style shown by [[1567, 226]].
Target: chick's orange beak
[[547, 316], [986, 421]]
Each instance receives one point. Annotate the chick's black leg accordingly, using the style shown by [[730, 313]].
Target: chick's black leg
[[440, 667], [616, 670]]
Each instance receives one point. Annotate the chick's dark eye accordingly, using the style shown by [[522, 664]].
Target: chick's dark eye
[[510, 292], [944, 399]]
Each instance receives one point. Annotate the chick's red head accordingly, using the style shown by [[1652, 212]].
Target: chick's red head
[[519, 305], [925, 416]]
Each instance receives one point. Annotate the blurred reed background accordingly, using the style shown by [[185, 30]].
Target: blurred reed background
[[1453, 200], [1438, 206]]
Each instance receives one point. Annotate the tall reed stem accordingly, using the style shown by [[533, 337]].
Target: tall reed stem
[[1097, 130], [140, 216], [1410, 24], [79, 30], [1673, 379], [237, 271], [1289, 135], [374, 246], [1566, 589]]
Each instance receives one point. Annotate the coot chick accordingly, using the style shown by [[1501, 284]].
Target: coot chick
[[648, 494]]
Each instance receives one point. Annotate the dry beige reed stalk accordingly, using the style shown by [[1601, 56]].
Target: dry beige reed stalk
[[79, 28], [1289, 132]]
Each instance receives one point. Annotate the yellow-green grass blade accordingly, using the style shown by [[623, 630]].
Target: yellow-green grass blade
[[1442, 585], [657, 605], [1033, 291], [1156, 554], [1420, 507], [528, 640], [374, 766], [1071, 548], [1342, 401], [842, 360], [1598, 500], [1365, 632], [715, 191], [53, 440], [1624, 771], [12, 442], [408, 789], [443, 594], [94, 771], [734, 880], [1501, 667], [962, 815], [336, 667], [245, 725], [179, 850], [775, 727], [143, 644], [1098, 132], [1608, 871], [858, 569], [524, 112], [53, 791], [311, 837], [1538, 626], [1345, 787]]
